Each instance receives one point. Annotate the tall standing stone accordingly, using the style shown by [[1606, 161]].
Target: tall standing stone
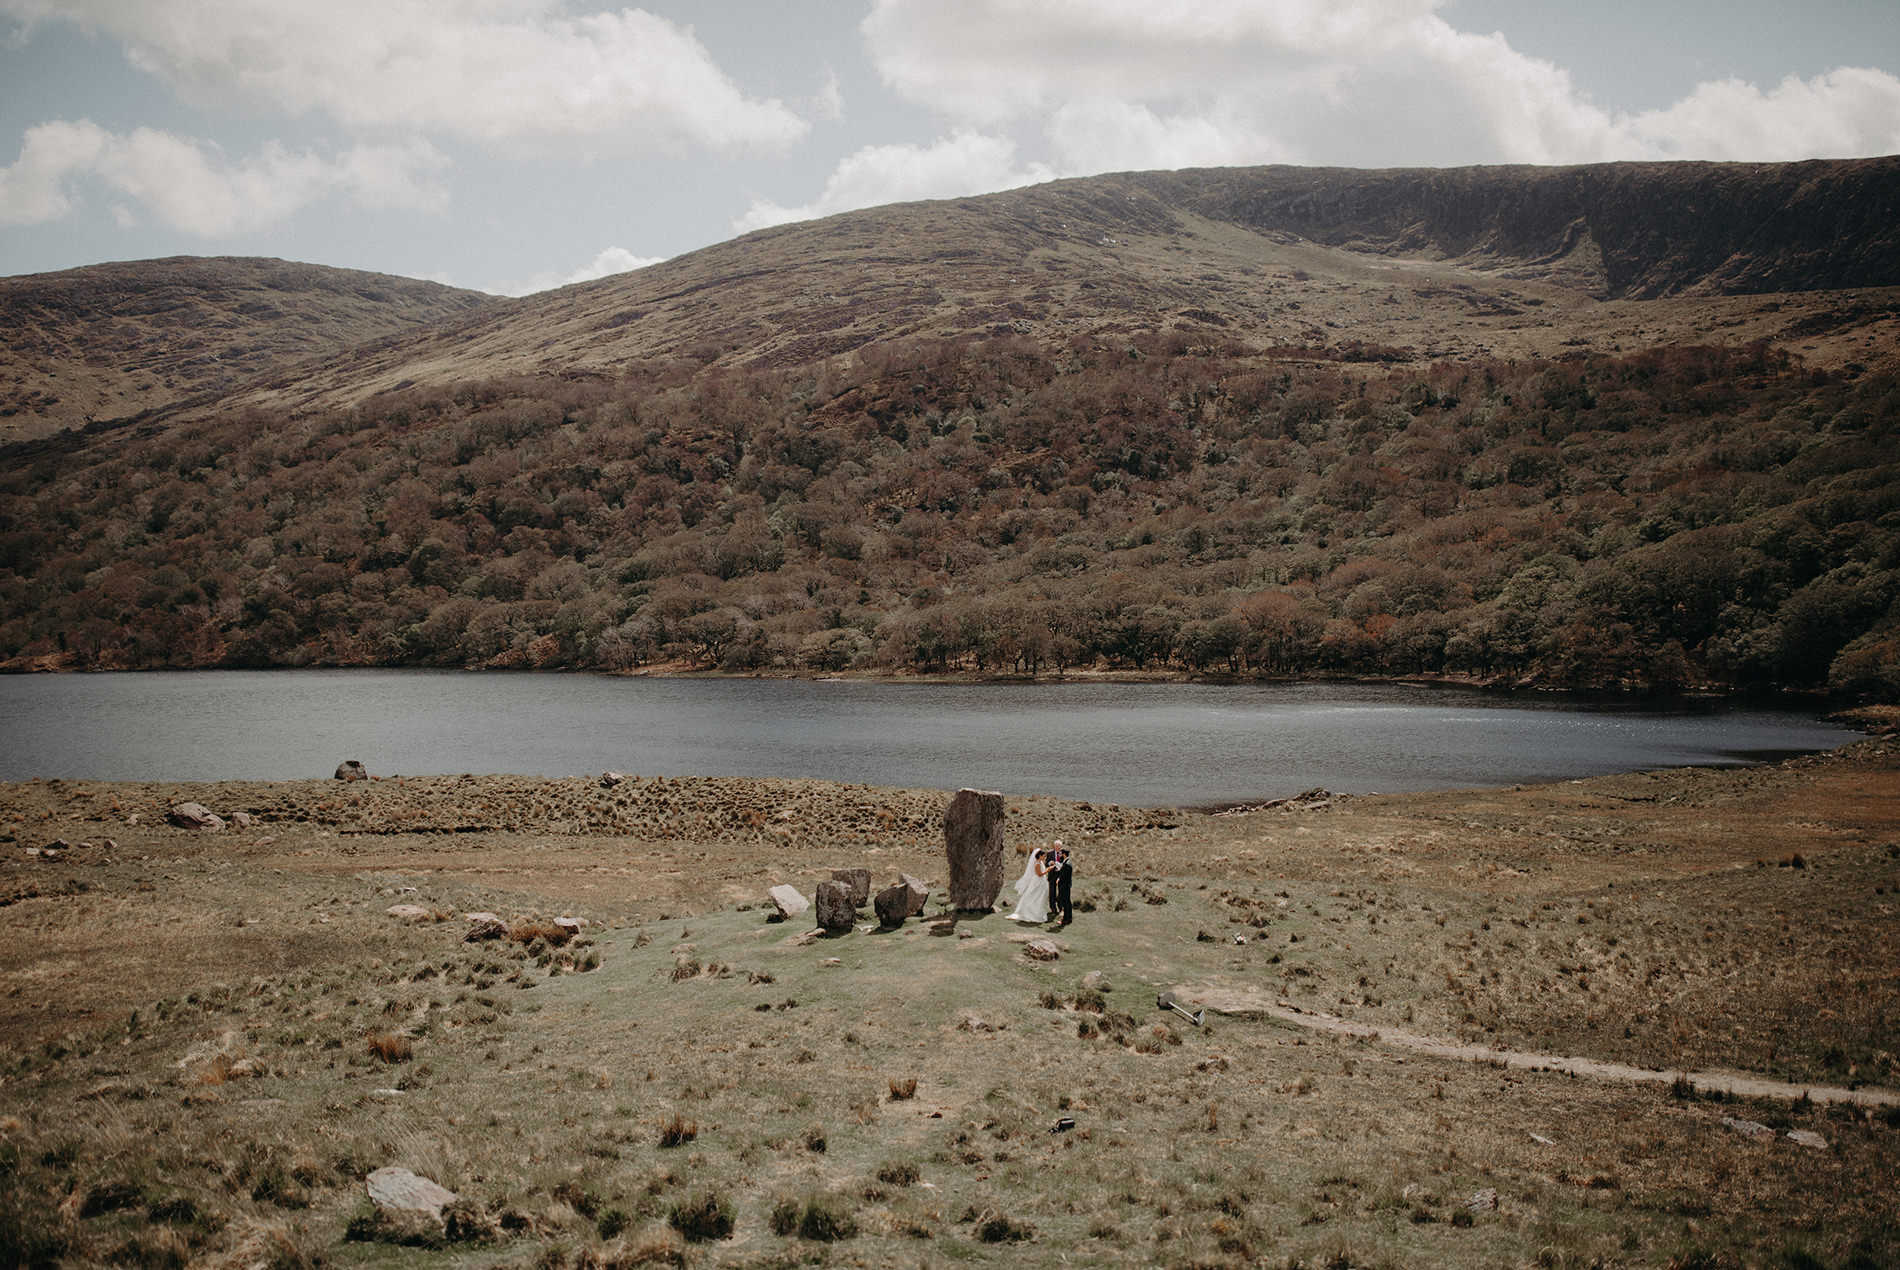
[[973, 841]]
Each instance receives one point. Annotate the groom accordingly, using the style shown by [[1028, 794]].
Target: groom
[[1063, 877]]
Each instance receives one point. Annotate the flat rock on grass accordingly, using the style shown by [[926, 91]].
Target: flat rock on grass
[[400, 1191]]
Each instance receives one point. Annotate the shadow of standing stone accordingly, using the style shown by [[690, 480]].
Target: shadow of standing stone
[[973, 841]]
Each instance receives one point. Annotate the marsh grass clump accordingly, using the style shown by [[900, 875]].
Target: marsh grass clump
[[898, 1173], [826, 1219], [702, 1218], [902, 1088], [678, 1131], [997, 1228]]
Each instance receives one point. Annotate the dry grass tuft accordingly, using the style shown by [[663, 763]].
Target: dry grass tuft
[[903, 1089], [390, 1047], [678, 1132], [549, 933]]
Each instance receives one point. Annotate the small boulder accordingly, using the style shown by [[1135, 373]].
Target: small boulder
[[835, 909], [572, 925], [788, 901], [1041, 950], [410, 912], [610, 779], [892, 906], [1807, 1138], [401, 1192], [1484, 1201], [859, 880], [1750, 1129], [351, 770], [242, 820], [919, 892], [195, 816]]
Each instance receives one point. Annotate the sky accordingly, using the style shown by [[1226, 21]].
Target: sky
[[515, 145]]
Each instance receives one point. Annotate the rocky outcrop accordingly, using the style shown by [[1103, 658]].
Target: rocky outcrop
[[351, 770], [195, 816]]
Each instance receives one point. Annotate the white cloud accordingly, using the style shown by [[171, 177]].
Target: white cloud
[[1848, 113], [519, 76], [610, 261], [190, 186], [1130, 84], [964, 163]]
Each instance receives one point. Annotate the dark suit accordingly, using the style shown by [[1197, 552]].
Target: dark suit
[[1059, 898]]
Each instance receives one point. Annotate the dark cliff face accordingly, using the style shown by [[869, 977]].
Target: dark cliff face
[[1660, 228]]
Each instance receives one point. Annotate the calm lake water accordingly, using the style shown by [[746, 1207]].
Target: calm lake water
[[1188, 745]]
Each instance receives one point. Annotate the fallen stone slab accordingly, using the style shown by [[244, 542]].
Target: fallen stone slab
[[400, 1191], [1807, 1138], [788, 901], [1750, 1129]]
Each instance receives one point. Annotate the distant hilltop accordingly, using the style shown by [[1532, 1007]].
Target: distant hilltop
[[1430, 263]]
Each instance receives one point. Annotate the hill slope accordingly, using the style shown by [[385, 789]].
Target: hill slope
[[1441, 263], [116, 340]]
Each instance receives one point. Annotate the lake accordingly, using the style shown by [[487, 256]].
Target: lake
[[1190, 745]]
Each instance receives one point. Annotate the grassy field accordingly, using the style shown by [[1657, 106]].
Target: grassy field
[[211, 1039]]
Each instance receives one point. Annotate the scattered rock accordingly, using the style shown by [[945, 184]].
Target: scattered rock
[[1807, 1138], [1041, 950], [400, 1191], [351, 770], [859, 880], [834, 907], [409, 912], [195, 816], [609, 779], [788, 901], [973, 843], [1485, 1201], [805, 939], [832, 961], [476, 919], [491, 929], [892, 905], [242, 819], [1750, 1129], [572, 925], [974, 1023], [1097, 981], [943, 928]]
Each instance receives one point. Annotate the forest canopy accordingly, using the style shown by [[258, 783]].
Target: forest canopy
[[1673, 518]]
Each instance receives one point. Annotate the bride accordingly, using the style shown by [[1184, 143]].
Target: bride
[[1032, 890]]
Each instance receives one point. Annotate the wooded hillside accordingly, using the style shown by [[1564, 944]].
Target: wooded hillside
[[1664, 518]]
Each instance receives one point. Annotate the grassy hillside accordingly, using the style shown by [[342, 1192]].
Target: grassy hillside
[[118, 340]]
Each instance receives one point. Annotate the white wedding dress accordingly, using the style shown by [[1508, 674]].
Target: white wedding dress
[[1032, 891]]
